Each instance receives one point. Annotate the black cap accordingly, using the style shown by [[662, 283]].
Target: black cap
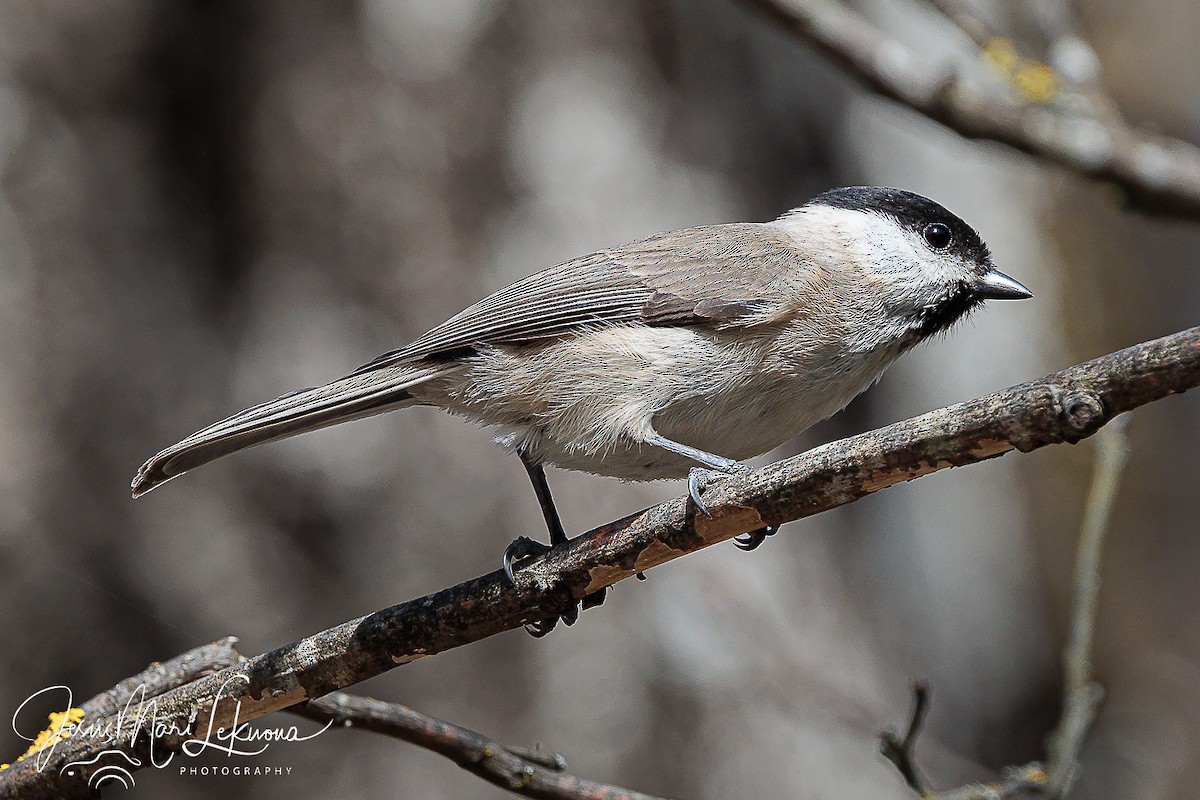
[[911, 211]]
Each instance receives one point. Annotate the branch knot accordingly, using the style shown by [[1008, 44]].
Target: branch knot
[[1083, 413]]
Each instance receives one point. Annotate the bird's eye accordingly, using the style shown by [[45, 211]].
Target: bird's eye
[[938, 235]]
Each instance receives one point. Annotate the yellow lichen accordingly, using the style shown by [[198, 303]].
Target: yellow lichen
[[60, 728], [1035, 774], [1034, 81], [1001, 54], [1037, 82]]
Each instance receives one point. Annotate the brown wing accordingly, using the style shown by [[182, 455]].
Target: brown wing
[[716, 275]]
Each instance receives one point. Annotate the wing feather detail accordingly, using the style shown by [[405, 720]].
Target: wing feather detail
[[718, 275]]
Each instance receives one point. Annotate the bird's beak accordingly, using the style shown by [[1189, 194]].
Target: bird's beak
[[995, 285]]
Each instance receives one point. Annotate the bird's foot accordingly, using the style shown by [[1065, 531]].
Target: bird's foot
[[753, 539], [517, 554], [541, 627], [698, 478], [519, 551]]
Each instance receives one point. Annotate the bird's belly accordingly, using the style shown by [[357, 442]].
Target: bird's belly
[[737, 425], [747, 424], [589, 403]]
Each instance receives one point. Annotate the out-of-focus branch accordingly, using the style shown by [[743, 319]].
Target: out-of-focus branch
[[899, 749], [966, 20], [1081, 695], [524, 772], [1066, 406], [1157, 174]]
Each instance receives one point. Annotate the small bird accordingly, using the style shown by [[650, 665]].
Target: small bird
[[683, 352]]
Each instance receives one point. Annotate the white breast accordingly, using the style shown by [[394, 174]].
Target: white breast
[[587, 402]]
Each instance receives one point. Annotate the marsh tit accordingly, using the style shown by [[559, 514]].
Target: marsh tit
[[695, 348]]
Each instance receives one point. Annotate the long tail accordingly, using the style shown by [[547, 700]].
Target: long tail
[[352, 397]]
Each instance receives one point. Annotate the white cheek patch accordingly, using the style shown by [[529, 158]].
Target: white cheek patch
[[879, 246]]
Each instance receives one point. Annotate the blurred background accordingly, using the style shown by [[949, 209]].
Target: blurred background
[[206, 204]]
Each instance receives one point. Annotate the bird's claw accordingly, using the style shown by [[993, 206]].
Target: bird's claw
[[541, 627], [520, 550], [753, 539], [523, 549], [698, 479]]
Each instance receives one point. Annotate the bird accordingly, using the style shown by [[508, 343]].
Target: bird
[[675, 356]]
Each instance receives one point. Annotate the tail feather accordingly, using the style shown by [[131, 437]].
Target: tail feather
[[352, 397]]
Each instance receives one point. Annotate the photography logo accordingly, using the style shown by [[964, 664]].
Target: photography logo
[[112, 736], [108, 773]]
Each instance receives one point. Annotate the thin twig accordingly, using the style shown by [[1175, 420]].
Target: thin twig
[[1157, 174], [1081, 695], [522, 772], [1017, 782], [899, 749], [1067, 406]]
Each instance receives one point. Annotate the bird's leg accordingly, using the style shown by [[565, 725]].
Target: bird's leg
[[537, 476], [523, 548], [697, 477]]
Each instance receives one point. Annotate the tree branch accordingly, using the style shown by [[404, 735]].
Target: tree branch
[[1066, 406], [1157, 174], [524, 772], [162, 676], [123, 699], [529, 773], [965, 19]]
